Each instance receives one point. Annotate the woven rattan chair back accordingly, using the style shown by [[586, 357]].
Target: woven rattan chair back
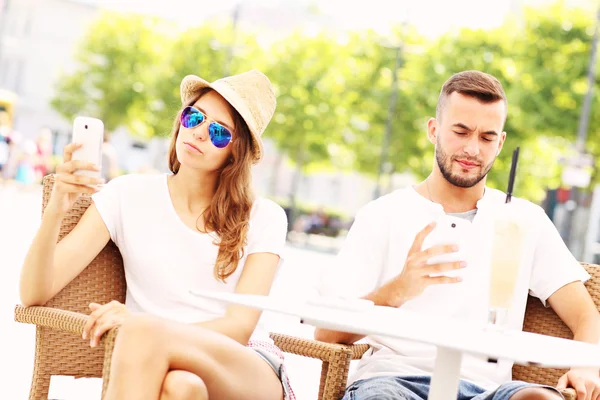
[[539, 319], [59, 353]]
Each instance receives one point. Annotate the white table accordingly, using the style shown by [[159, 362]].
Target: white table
[[452, 339]]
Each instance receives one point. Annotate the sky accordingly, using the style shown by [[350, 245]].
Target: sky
[[431, 17]]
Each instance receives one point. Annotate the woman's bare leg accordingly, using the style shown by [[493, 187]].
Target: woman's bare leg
[[183, 385], [148, 348]]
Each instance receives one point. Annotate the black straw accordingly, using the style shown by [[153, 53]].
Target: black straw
[[513, 172]]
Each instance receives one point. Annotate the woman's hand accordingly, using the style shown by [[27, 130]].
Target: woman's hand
[[102, 319], [68, 186]]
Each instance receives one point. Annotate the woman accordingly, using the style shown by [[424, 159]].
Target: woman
[[199, 228]]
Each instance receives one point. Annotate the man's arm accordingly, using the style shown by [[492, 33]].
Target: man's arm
[[575, 307], [329, 336], [410, 283]]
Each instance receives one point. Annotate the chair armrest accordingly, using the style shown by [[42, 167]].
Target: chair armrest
[[316, 349], [68, 321], [309, 348], [61, 320], [54, 318], [358, 350]]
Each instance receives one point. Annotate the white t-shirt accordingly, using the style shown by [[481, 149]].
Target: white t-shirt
[[164, 259], [375, 251]]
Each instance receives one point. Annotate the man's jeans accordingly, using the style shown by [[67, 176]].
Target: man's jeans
[[417, 388]]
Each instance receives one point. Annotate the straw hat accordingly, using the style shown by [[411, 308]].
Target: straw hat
[[250, 93]]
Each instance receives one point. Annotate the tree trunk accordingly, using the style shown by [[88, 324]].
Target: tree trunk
[[294, 189]]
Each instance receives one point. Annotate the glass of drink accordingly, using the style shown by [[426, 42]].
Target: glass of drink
[[508, 241]]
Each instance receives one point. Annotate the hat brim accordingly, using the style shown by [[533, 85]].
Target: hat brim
[[192, 84]]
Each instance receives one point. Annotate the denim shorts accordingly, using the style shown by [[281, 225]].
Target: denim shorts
[[274, 357], [417, 388]]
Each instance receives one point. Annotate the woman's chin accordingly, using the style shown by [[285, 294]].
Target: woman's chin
[[196, 165]]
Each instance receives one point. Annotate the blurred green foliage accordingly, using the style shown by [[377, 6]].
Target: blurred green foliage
[[333, 89]]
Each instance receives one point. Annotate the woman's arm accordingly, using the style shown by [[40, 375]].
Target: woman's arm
[[257, 278], [48, 266]]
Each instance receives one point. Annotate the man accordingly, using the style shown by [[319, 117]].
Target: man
[[383, 261]]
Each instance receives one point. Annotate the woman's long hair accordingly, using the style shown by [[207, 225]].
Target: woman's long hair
[[228, 215]]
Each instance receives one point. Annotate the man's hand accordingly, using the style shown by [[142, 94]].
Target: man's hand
[[586, 381], [415, 276], [102, 319]]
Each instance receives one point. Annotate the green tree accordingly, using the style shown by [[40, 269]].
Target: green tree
[[309, 93], [201, 51], [371, 66], [309, 122], [116, 60], [553, 80], [542, 66], [333, 90]]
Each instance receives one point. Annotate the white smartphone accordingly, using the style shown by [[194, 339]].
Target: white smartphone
[[90, 133], [448, 231]]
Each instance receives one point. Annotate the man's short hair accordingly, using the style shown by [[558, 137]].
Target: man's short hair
[[484, 87]]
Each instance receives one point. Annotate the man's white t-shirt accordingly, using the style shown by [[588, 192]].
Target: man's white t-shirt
[[164, 259], [376, 249]]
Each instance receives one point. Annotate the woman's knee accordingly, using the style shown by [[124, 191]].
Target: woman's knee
[[183, 385]]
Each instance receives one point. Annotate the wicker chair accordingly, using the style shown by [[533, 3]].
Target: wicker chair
[[59, 324], [60, 350]]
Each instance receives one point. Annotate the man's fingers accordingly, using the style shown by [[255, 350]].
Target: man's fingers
[[421, 258], [579, 386], [418, 242], [445, 267], [439, 280]]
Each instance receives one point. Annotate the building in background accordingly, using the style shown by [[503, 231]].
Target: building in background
[[37, 42]]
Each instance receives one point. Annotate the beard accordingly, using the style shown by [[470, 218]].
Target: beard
[[444, 162]]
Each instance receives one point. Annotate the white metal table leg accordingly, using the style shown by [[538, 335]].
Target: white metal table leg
[[446, 375]]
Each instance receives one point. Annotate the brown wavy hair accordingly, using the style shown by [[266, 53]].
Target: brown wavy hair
[[228, 215]]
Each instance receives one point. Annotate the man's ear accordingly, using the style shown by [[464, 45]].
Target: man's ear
[[432, 130], [501, 143]]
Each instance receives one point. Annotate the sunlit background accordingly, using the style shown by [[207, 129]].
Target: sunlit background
[[356, 81]]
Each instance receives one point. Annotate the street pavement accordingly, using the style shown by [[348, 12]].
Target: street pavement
[[20, 210]]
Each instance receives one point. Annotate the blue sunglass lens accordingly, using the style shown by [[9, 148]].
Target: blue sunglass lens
[[190, 117], [219, 135]]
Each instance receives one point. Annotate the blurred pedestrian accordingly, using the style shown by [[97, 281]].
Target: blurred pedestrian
[[110, 164]]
